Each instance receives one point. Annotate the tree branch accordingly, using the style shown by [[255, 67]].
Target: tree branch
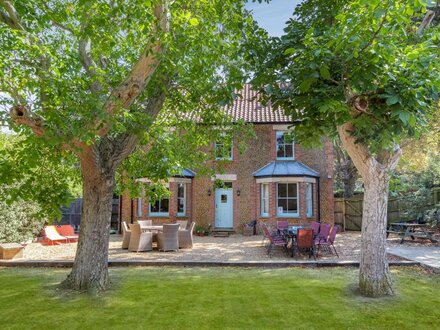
[[359, 154], [21, 116], [12, 19], [375, 33], [54, 22], [125, 94], [430, 14]]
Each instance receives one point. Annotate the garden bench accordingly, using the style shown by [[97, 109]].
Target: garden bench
[[11, 251]]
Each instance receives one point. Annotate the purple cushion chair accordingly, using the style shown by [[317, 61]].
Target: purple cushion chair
[[282, 226], [324, 231], [328, 243], [315, 226], [274, 240]]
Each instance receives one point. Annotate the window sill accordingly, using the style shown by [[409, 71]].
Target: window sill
[[285, 158], [288, 215], [160, 215]]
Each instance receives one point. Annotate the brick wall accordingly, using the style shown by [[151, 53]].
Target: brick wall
[[246, 207]]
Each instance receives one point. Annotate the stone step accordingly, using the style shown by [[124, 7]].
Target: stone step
[[220, 233]]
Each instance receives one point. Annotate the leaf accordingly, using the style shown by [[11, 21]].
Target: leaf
[[194, 21], [325, 73], [392, 99], [305, 85], [289, 51], [404, 116]]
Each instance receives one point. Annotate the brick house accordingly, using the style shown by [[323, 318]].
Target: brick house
[[274, 179]]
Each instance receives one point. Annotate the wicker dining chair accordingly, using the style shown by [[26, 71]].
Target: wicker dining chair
[[140, 241], [186, 237], [126, 233], [168, 239], [183, 224]]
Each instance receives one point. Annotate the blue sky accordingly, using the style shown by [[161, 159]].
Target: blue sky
[[274, 15]]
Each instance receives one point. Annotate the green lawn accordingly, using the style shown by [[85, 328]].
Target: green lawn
[[218, 298]]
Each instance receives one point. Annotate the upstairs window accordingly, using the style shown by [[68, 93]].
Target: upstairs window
[[285, 146], [223, 149]]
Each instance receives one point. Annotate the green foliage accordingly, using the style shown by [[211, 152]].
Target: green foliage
[[19, 221], [200, 66], [36, 174], [415, 191], [338, 53]]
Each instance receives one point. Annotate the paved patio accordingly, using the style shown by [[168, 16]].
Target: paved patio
[[236, 248]]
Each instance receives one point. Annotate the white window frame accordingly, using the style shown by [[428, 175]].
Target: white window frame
[[181, 214], [222, 144], [264, 199], [284, 144], [290, 214], [160, 214], [309, 199], [139, 207]]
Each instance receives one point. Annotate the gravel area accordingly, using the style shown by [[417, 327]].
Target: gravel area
[[233, 248]]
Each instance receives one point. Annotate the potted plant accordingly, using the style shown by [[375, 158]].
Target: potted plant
[[200, 231]]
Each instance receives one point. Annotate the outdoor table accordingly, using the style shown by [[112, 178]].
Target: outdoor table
[[152, 228], [413, 230]]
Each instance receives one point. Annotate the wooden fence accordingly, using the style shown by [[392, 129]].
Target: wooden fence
[[348, 212]]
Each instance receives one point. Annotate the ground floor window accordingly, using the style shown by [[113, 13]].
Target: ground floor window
[[160, 207], [264, 200], [309, 199], [181, 199], [287, 200], [139, 207]]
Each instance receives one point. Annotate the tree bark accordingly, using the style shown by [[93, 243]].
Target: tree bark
[[374, 276], [90, 268]]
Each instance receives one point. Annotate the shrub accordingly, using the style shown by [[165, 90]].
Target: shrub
[[18, 222]]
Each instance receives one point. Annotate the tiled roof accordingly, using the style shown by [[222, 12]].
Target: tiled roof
[[285, 168], [247, 107]]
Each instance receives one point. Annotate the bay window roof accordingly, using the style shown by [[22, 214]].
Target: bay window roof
[[285, 168]]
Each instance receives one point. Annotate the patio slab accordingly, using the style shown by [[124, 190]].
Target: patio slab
[[426, 255]]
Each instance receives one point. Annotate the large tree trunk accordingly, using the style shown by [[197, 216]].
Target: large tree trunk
[[374, 276], [90, 268]]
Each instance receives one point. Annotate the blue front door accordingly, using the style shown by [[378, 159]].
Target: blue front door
[[223, 208]]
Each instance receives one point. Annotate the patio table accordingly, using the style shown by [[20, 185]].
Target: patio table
[[151, 228], [413, 230]]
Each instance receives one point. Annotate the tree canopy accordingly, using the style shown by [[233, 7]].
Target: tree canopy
[[358, 61]]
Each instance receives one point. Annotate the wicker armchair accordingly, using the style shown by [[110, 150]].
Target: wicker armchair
[[183, 224], [140, 241], [168, 239], [126, 233], [186, 237]]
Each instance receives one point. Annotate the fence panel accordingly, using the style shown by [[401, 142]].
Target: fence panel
[[348, 212]]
